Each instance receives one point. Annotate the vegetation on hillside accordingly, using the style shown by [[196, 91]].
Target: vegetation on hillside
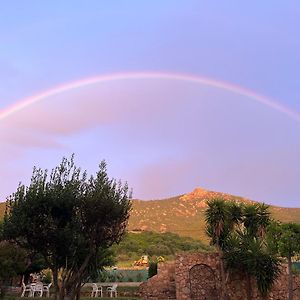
[[184, 214], [153, 244]]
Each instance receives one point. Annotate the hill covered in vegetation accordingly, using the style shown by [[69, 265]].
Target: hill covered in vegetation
[[184, 214], [154, 244]]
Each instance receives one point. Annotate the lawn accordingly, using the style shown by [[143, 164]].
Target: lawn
[[82, 298], [124, 293]]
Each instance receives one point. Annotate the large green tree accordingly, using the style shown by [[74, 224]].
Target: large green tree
[[285, 239], [70, 219]]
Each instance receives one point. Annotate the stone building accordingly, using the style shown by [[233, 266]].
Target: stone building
[[197, 277]]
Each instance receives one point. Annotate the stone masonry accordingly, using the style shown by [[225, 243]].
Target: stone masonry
[[162, 285], [196, 276]]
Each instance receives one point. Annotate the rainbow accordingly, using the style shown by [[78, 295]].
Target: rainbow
[[22, 104]]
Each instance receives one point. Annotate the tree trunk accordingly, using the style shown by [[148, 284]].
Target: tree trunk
[[78, 293], [249, 287], [223, 277], [290, 278], [71, 293], [55, 283], [70, 285]]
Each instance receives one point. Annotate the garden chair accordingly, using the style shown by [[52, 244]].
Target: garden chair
[[46, 289], [37, 288], [96, 290], [112, 290], [26, 288]]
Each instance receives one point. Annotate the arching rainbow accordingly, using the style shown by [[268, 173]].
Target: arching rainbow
[[149, 75]]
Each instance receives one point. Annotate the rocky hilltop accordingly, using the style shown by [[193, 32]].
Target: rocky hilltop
[[184, 214]]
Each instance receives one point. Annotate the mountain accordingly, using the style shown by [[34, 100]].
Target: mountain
[[184, 214], [2, 209]]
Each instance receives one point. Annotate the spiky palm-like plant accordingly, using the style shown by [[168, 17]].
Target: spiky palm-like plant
[[221, 217], [238, 232], [251, 257]]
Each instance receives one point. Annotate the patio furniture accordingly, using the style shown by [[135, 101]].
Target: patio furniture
[[96, 290], [26, 288], [112, 290], [37, 288], [46, 289]]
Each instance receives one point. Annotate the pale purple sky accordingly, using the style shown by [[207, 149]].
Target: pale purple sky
[[164, 136]]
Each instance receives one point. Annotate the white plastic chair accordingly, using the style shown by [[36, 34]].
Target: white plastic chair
[[37, 288], [96, 290], [113, 290], [46, 289], [26, 288]]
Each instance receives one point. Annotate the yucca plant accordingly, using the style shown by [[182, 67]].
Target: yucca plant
[[238, 232]]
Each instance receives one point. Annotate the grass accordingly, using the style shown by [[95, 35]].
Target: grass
[[82, 298], [124, 293]]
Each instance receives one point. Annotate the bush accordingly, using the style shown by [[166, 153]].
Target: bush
[[47, 277], [152, 271]]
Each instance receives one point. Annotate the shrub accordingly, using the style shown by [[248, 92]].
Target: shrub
[[152, 269]]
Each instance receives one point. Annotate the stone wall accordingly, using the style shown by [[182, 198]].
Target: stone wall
[[160, 286], [184, 264], [197, 277]]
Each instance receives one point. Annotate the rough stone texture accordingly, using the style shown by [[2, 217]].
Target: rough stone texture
[[160, 286], [188, 284], [197, 277]]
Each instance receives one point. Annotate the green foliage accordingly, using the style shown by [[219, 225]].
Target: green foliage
[[285, 238], [239, 232], [155, 244], [70, 219], [152, 269], [190, 222], [12, 263], [122, 275], [13, 260], [218, 221], [251, 256], [47, 277]]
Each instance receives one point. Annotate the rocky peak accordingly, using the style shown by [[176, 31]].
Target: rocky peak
[[197, 193]]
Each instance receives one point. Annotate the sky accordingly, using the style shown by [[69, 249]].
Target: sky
[[174, 95]]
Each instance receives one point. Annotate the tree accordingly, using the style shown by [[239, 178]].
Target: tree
[[218, 227], [251, 257], [70, 219], [285, 239], [238, 232], [12, 263]]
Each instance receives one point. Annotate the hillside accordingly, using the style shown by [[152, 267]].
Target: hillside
[[184, 214], [2, 209], [154, 244]]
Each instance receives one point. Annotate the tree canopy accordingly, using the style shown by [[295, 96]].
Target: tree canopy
[[285, 240], [71, 219]]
